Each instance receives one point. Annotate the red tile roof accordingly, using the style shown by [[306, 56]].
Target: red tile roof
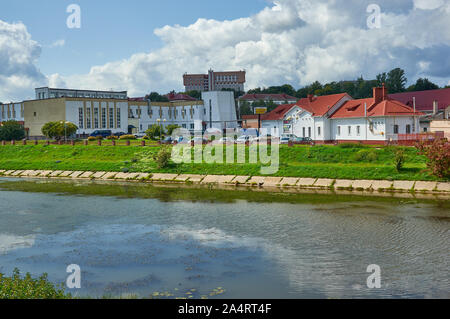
[[273, 97], [249, 117], [387, 107], [320, 105], [278, 113], [179, 97], [424, 99]]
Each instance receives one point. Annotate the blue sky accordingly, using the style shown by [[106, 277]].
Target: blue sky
[[143, 46], [111, 29]]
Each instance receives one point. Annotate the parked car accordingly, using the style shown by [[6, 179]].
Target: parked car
[[244, 139], [199, 140], [285, 139], [225, 140], [102, 133], [168, 140], [303, 140], [140, 135]]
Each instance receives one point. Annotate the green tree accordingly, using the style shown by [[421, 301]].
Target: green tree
[[11, 130], [381, 79], [156, 97], [246, 108], [195, 94], [423, 85], [396, 80], [59, 129], [154, 132], [170, 128]]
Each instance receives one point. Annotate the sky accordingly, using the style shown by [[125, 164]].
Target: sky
[[143, 46]]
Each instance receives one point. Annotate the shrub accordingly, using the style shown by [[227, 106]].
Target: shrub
[[112, 137], [59, 129], [172, 127], [16, 287], [100, 138], [365, 155], [11, 130], [438, 157], [92, 138], [154, 132], [399, 159], [162, 158], [128, 137]]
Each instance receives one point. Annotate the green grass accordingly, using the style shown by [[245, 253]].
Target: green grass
[[337, 162]]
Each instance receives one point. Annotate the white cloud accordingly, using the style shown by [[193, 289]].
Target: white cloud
[[58, 43], [18, 57], [293, 41]]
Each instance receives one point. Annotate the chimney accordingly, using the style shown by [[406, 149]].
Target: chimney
[[380, 94], [310, 97], [435, 107]]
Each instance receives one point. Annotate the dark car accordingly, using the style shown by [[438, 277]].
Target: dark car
[[119, 134], [103, 133], [167, 140], [303, 140]]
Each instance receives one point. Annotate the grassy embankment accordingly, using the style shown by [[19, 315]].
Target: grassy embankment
[[337, 162]]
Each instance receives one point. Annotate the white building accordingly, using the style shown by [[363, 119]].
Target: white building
[[12, 112], [50, 93], [339, 118], [216, 110]]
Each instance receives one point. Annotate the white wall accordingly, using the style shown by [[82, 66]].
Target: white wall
[[223, 109]]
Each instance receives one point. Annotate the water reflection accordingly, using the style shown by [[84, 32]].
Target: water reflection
[[134, 239]]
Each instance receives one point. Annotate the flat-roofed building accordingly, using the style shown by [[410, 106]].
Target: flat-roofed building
[[215, 81], [50, 93]]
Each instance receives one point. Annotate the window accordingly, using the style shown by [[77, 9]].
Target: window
[[35, 114], [150, 111], [349, 131], [111, 118], [304, 132], [319, 131], [95, 117], [88, 118], [358, 130], [309, 131], [118, 118], [408, 129], [395, 129], [183, 125], [338, 130], [192, 126], [425, 129], [80, 118], [103, 118]]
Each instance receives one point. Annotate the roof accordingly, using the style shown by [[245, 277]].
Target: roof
[[136, 99], [250, 117], [320, 105], [424, 99], [273, 97], [179, 97], [387, 107], [278, 113]]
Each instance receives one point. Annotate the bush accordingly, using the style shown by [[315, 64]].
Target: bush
[[128, 137], [438, 157], [16, 287], [92, 138], [399, 159], [59, 129], [162, 158], [99, 138], [154, 132], [11, 130], [112, 137], [365, 155]]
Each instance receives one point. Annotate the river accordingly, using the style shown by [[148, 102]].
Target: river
[[140, 240]]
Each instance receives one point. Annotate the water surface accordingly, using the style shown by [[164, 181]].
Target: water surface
[[140, 239]]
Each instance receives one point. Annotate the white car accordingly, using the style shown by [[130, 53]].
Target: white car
[[140, 135], [285, 139], [244, 139], [225, 140]]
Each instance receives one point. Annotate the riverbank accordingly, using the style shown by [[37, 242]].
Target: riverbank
[[353, 162], [269, 184]]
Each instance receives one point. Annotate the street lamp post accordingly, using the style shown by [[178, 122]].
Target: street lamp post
[[160, 128], [65, 131]]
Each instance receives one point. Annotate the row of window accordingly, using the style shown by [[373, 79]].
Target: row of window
[[9, 111], [191, 126], [96, 122], [350, 130]]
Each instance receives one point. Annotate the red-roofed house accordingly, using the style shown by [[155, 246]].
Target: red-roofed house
[[179, 97], [280, 121], [377, 119]]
